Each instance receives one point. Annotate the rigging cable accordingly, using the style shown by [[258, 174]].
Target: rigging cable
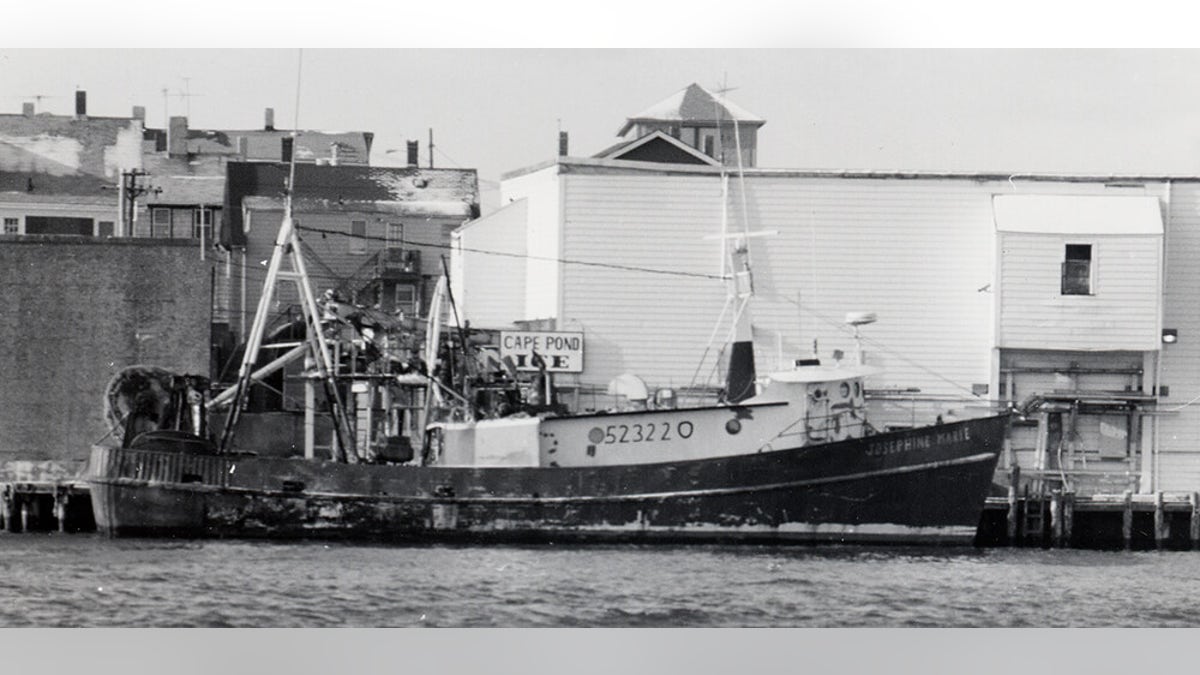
[[565, 261]]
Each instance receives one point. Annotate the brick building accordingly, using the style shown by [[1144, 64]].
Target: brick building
[[76, 311]]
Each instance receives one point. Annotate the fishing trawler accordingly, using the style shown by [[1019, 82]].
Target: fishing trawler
[[786, 458]]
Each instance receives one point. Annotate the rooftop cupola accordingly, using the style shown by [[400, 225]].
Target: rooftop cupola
[[704, 121]]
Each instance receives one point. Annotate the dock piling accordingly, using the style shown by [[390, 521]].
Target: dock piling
[[1014, 505], [6, 515], [1056, 519], [1194, 521], [1127, 520], [60, 507], [1162, 527]]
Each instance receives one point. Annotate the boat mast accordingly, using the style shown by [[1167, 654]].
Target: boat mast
[[287, 245], [735, 256], [740, 377]]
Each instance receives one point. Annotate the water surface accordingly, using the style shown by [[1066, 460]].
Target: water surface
[[50, 580]]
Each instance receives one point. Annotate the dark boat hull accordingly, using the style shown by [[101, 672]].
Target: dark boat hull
[[920, 486]]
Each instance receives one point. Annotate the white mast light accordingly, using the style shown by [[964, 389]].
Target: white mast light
[[857, 319]]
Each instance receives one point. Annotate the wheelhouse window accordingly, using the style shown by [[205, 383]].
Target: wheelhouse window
[[1077, 270]]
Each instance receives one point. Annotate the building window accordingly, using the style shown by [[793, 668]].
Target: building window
[[160, 219], [59, 225], [12, 226], [395, 235], [104, 228], [1077, 270], [202, 221], [358, 236], [406, 300], [708, 142]]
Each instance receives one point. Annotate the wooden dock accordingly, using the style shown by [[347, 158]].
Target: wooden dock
[[1165, 521], [47, 506]]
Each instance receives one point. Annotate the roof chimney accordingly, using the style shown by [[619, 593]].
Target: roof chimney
[[413, 153], [27, 109], [562, 144], [80, 103], [139, 113], [241, 147], [333, 154], [269, 119], [177, 137]]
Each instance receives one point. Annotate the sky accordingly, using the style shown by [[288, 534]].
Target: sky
[[499, 108]]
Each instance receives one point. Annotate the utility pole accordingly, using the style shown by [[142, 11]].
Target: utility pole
[[431, 148], [132, 187]]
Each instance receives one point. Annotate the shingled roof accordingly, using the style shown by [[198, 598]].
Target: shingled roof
[[696, 105], [348, 188], [656, 146], [354, 147]]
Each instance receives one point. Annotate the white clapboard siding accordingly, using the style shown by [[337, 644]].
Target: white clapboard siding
[[1121, 313], [1177, 471], [917, 253], [490, 270], [652, 324], [542, 239], [1178, 428]]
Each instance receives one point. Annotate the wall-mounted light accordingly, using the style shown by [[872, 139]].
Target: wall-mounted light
[[1170, 336]]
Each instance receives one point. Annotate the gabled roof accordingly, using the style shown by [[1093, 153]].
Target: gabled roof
[[347, 188], [627, 149], [186, 190], [64, 145], [180, 181], [693, 104]]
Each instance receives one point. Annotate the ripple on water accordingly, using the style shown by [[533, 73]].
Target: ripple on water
[[94, 581]]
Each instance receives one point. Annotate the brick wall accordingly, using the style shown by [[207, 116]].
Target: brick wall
[[73, 313]]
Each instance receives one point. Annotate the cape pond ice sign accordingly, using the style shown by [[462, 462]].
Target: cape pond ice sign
[[561, 352]]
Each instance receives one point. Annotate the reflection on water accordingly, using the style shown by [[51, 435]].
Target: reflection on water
[[80, 580]]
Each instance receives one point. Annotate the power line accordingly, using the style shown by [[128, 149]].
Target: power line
[[565, 261], [880, 346]]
